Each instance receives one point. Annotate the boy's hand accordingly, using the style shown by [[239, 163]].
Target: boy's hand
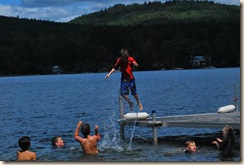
[[79, 123], [135, 64], [96, 131], [107, 76], [219, 140]]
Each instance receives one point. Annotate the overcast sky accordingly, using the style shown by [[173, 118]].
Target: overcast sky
[[66, 10]]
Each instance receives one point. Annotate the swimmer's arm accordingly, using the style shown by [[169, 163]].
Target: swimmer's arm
[[76, 134], [97, 133], [34, 156], [18, 155], [219, 140], [216, 143]]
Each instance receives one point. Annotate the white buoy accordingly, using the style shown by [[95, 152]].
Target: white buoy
[[138, 116], [227, 109]]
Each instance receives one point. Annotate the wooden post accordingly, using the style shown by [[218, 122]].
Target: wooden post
[[121, 110], [155, 138]]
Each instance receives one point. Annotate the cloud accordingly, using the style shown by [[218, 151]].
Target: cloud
[[46, 3], [5, 10], [53, 10], [66, 10], [228, 2], [50, 3], [57, 14]]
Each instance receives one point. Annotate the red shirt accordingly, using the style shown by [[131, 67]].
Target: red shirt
[[126, 67]]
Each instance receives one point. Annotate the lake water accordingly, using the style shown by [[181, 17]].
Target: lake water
[[42, 107]]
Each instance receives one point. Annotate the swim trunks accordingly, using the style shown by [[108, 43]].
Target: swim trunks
[[128, 86]]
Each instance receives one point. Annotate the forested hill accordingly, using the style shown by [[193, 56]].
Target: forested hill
[[160, 13], [158, 35]]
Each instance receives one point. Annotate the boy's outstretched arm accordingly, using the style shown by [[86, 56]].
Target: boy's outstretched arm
[[76, 134], [112, 71], [97, 133]]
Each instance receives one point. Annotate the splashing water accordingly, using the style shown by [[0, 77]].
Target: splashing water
[[132, 133], [111, 139]]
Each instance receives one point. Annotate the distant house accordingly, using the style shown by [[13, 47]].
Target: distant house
[[57, 69], [200, 60]]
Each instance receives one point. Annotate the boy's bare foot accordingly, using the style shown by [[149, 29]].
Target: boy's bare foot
[[131, 105], [140, 106]]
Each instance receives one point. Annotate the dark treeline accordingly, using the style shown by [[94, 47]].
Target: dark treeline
[[34, 47]]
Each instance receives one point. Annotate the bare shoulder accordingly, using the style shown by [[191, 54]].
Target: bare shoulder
[[79, 139], [33, 155], [95, 137]]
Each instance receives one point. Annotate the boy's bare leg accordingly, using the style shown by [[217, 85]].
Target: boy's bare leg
[[129, 102], [138, 102]]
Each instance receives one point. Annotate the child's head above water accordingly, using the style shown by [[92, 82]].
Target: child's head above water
[[191, 146]]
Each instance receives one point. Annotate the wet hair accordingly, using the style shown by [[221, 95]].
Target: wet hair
[[24, 143], [85, 129], [124, 53], [54, 140], [229, 136], [189, 142], [228, 132]]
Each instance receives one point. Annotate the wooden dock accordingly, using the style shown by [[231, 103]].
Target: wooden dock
[[204, 120]]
